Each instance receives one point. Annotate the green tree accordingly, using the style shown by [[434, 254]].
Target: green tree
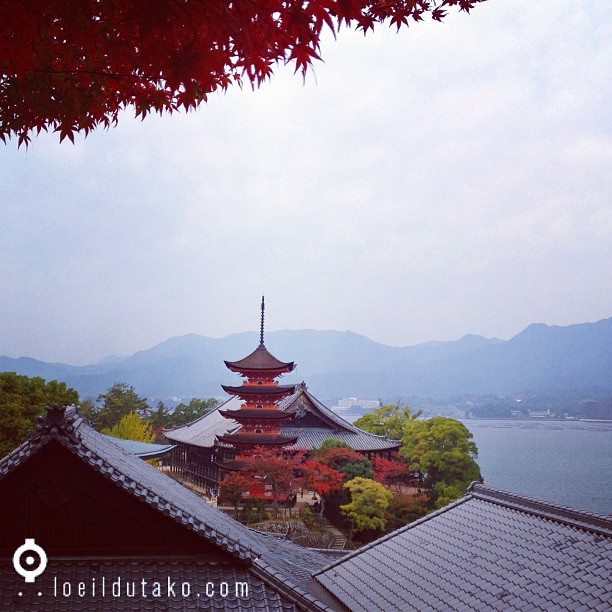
[[22, 399], [160, 417], [369, 500], [442, 451], [132, 427], [87, 408], [354, 469], [389, 421], [118, 401], [186, 413]]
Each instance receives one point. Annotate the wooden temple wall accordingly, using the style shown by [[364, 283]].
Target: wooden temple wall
[[195, 464]]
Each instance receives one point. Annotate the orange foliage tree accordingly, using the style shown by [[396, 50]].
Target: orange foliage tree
[[72, 65]]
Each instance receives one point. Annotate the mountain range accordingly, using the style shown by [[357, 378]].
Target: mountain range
[[542, 359]]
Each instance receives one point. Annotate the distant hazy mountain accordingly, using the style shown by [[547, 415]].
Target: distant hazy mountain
[[541, 359]]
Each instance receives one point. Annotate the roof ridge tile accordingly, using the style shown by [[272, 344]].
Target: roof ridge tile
[[564, 514]]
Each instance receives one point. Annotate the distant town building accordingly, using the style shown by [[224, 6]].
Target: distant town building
[[541, 414], [349, 402], [600, 410]]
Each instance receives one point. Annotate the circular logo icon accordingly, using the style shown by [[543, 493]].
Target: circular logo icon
[[30, 560]]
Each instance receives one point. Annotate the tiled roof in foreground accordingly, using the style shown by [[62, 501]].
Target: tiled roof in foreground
[[279, 564], [488, 551]]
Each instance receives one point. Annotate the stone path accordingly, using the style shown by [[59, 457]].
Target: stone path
[[339, 541]]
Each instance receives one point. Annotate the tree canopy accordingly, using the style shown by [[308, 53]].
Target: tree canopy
[[369, 500], [186, 413], [118, 401], [389, 421], [132, 427], [22, 399], [233, 488], [73, 66], [344, 459], [442, 450]]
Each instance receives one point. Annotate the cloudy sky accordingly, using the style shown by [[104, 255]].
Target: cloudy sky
[[449, 179]]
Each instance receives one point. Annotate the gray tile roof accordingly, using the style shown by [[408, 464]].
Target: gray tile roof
[[204, 430], [488, 551], [144, 450], [282, 562], [313, 437]]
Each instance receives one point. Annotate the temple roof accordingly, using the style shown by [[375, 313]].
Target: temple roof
[[144, 450], [490, 550], [312, 423], [281, 565], [260, 360], [204, 430]]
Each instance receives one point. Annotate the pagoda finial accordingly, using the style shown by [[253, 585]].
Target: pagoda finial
[[261, 329]]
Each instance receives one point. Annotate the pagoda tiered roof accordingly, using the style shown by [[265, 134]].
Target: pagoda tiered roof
[[260, 362], [245, 414], [259, 392]]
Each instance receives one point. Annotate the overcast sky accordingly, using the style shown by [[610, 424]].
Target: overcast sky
[[449, 179]]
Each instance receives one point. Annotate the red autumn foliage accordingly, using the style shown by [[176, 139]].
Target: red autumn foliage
[[281, 469], [72, 65], [233, 487], [338, 456], [321, 478], [389, 471]]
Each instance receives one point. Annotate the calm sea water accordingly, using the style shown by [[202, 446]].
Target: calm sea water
[[565, 462]]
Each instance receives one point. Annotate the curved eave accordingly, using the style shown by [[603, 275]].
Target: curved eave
[[257, 440], [260, 361], [260, 372], [252, 392], [255, 415]]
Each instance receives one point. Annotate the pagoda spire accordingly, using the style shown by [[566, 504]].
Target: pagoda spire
[[261, 327]]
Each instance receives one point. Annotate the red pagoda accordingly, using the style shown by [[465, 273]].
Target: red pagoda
[[259, 415]]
